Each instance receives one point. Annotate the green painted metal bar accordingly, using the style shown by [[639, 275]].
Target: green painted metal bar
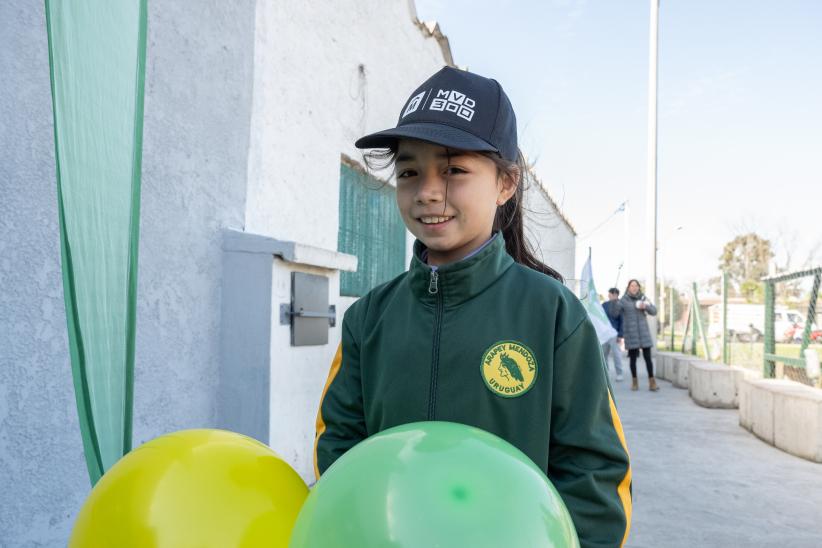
[[811, 318], [725, 347], [793, 275], [672, 316], [698, 317], [688, 325], [787, 360], [694, 312], [768, 364]]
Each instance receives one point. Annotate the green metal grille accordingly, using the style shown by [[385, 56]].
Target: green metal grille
[[370, 228], [770, 356]]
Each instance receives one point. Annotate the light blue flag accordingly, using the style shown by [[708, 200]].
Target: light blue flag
[[590, 300]]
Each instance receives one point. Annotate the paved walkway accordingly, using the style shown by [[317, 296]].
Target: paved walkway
[[702, 480]]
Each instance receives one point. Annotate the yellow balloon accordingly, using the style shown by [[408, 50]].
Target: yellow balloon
[[194, 488]]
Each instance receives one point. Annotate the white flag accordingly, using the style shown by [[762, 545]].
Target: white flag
[[590, 300]]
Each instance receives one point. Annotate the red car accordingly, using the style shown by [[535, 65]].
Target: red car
[[795, 334]]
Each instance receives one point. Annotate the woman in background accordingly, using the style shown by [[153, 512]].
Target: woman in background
[[635, 309]]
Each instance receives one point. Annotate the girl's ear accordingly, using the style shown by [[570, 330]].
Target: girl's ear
[[507, 184]]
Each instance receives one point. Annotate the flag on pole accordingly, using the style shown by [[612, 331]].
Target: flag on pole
[[590, 300]]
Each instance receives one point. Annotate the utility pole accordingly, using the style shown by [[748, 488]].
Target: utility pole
[[650, 283]]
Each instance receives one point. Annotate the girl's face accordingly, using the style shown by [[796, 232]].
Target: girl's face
[[448, 202], [633, 288]]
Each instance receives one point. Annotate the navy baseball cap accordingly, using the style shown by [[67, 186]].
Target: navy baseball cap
[[455, 109]]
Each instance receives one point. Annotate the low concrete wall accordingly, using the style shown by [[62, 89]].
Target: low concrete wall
[[716, 385], [659, 366], [783, 413], [665, 365], [680, 367], [797, 422]]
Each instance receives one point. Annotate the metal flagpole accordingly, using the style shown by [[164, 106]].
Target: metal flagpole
[[626, 260], [650, 283]]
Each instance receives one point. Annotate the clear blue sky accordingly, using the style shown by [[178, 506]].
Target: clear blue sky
[[740, 118]]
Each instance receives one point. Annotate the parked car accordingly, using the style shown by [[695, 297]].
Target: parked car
[[786, 325], [746, 322], [795, 333]]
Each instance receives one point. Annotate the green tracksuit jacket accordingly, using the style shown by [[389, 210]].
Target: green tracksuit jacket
[[493, 344]]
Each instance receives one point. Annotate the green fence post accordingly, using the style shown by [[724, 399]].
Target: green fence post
[[725, 357], [672, 317], [769, 365], [806, 333], [698, 318], [694, 312]]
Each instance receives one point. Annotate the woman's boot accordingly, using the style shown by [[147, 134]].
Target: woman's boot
[[634, 384], [652, 385]]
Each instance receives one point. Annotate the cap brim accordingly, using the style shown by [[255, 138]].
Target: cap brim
[[438, 134]]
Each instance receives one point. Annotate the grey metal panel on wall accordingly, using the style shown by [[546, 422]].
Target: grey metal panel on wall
[[245, 344], [309, 302]]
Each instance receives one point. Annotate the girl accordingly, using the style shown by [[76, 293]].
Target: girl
[[635, 307], [477, 331]]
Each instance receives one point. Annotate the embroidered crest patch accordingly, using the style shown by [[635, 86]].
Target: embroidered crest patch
[[509, 369]]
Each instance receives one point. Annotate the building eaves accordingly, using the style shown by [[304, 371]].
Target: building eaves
[[431, 29], [542, 188]]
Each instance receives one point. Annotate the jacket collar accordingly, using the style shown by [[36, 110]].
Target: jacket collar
[[457, 282]]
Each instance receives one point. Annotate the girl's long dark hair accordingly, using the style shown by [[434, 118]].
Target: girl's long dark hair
[[509, 218]]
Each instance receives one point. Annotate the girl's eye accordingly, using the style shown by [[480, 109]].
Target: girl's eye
[[406, 173], [454, 170]]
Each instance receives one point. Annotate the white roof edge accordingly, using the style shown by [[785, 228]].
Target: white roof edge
[[432, 29], [547, 194]]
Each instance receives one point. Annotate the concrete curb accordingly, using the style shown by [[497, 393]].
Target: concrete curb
[[716, 385], [679, 371], [785, 414], [664, 365]]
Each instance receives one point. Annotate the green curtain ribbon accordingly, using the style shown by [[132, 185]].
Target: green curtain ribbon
[[97, 64]]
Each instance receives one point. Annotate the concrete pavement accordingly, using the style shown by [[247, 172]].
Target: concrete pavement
[[699, 479]]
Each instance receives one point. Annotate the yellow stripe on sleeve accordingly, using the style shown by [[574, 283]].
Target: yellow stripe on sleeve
[[320, 425], [624, 487]]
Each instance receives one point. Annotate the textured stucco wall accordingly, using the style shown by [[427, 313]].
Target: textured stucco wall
[[312, 101], [551, 237], [196, 131], [320, 82], [42, 470]]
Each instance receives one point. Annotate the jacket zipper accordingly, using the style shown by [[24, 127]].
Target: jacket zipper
[[433, 289]]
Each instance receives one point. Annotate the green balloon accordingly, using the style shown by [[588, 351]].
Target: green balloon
[[431, 484]]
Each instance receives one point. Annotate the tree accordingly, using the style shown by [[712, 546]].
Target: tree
[[745, 259]]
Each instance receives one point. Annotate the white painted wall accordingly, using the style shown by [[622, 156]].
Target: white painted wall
[[249, 105], [551, 236], [324, 75]]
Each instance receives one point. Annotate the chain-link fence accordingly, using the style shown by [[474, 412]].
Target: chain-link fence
[[779, 335], [802, 363]]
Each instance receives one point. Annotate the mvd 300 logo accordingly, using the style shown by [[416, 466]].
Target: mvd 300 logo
[[454, 101]]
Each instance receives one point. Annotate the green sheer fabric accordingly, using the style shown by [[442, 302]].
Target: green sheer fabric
[[97, 62]]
